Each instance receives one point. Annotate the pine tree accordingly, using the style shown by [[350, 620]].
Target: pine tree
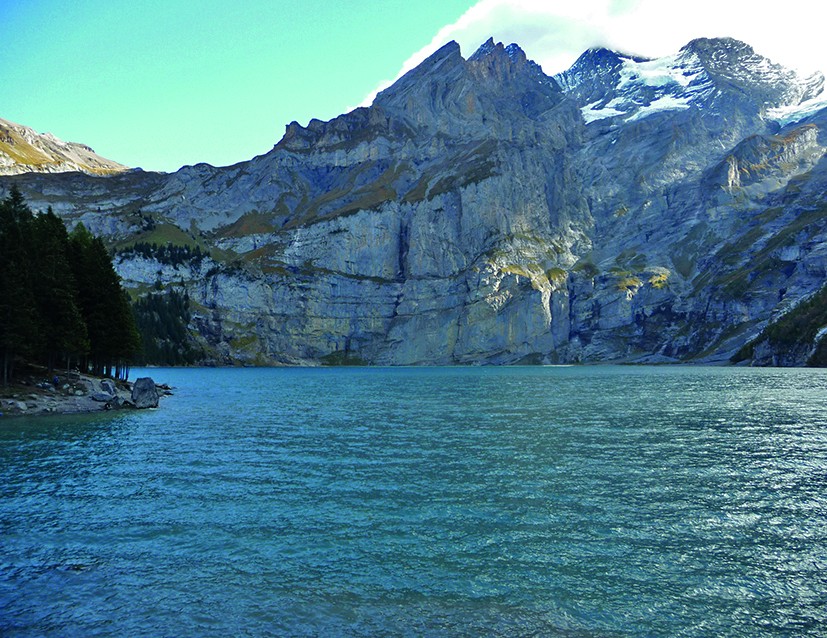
[[56, 293], [19, 319], [60, 296], [162, 320], [113, 337]]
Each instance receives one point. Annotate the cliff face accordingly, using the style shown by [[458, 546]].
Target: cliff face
[[482, 212]]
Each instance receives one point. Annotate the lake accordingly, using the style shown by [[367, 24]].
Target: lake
[[528, 501]]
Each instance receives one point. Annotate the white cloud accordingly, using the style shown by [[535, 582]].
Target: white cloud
[[554, 33]]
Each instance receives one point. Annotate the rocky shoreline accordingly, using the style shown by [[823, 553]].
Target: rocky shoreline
[[77, 393]]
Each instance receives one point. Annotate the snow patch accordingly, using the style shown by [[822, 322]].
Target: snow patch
[[666, 103], [790, 114], [658, 73], [592, 114]]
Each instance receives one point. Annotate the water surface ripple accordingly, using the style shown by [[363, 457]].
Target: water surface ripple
[[605, 501]]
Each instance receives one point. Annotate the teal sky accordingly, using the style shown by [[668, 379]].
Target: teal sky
[[160, 84]]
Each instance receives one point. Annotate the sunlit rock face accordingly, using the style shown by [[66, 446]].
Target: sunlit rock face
[[482, 212], [23, 150]]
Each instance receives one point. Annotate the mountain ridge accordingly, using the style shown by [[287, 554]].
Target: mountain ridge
[[24, 150], [480, 211]]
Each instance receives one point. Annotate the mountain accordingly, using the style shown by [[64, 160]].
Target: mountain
[[480, 211], [23, 150]]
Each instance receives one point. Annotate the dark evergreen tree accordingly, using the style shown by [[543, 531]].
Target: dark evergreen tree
[[19, 319], [60, 297], [162, 321], [63, 327], [172, 254], [113, 337]]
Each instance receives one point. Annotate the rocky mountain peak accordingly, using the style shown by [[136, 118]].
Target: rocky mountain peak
[[599, 60], [719, 74], [734, 65], [487, 49], [593, 74], [719, 49], [443, 63], [449, 93], [494, 62], [813, 86], [444, 93], [495, 52], [24, 150]]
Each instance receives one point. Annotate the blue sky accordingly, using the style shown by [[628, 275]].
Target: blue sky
[[163, 83], [160, 84]]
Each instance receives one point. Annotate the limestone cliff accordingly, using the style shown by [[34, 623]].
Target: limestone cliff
[[482, 212]]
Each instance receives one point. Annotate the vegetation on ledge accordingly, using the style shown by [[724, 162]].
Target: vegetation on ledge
[[162, 320], [796, 330], [172, 254]]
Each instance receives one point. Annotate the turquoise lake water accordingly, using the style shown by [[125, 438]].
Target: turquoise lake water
[[577, 502]]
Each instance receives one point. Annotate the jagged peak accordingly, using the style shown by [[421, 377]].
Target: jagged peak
[[708, 45], [596, 62], [490, 48], [705, 70], [493, 60], [516, 53], [496, 50], [486, 48], [737, 62], [438, 63], [729, 57], [592, 63], [813, 86], [447, 50], [597, 54], [602, 56]]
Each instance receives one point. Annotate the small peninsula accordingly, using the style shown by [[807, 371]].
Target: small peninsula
[[33, 394]]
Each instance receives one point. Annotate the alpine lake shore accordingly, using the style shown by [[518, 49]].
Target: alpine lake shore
[[36, 393]]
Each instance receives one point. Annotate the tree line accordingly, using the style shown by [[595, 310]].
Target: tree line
[[172, 254], [61, 301], [163, 323]]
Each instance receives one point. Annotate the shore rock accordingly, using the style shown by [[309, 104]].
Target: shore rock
[[144, 393], [16, 405]]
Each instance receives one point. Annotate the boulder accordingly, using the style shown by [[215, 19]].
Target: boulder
[[144, 393], [108, 386], [102, 397]]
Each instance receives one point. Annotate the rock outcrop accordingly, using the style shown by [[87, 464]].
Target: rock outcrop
[[482, 212]]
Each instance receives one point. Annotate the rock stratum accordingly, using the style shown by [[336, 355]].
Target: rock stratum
[[482, 212]]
